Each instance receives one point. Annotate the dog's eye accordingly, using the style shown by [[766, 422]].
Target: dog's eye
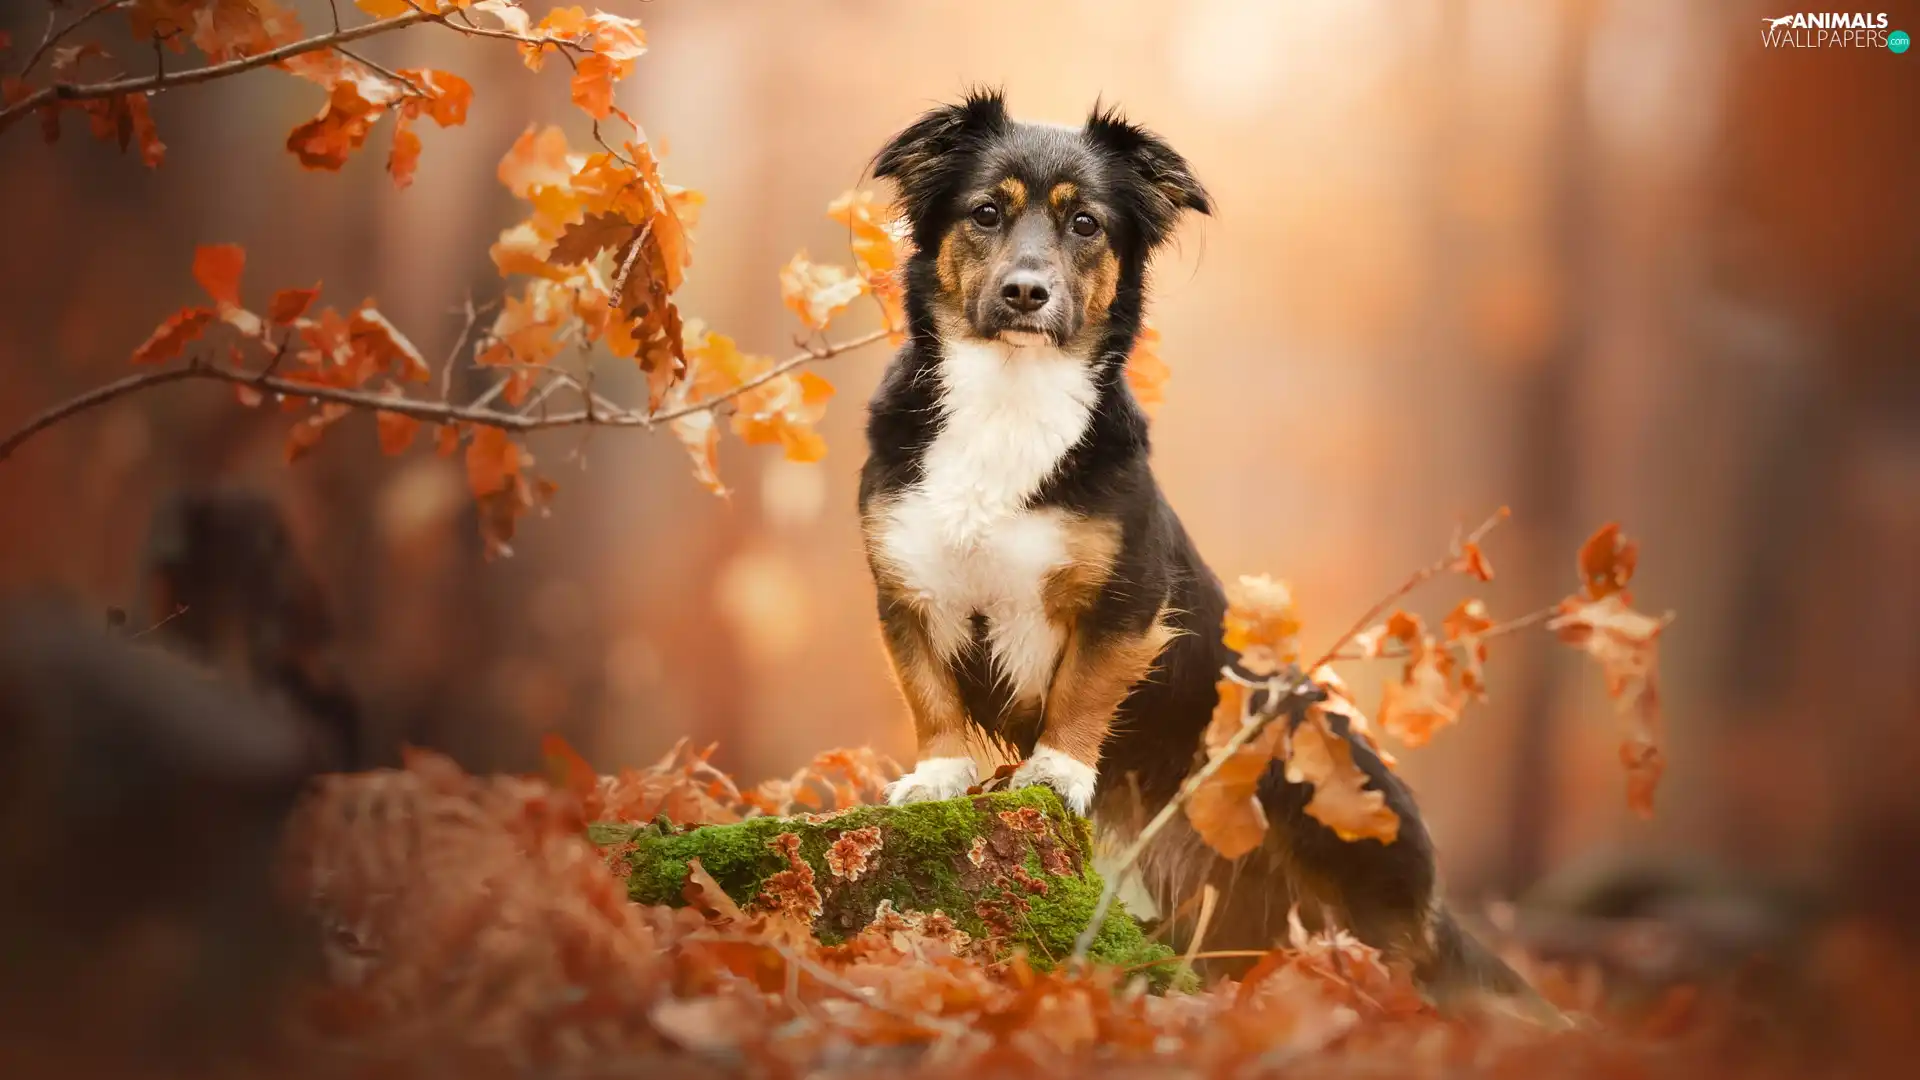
[[986, 215], [1085, 225]]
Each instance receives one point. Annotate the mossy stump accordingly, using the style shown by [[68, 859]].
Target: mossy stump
[[1009, 868]]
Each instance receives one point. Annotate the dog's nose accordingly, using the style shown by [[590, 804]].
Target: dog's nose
[[1024, 291]]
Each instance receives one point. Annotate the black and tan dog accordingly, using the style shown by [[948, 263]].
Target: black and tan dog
[[1035, 587]]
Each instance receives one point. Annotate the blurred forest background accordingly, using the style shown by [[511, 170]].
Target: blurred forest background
[[1595, 259]]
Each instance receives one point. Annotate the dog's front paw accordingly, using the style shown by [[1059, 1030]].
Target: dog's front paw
[[1072, 780], [934, 779]]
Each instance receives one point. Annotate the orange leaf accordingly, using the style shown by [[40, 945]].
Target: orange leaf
[[493, 461], [217, 267], [1425, 699], [1147, 373], [592, 86], [701, 439], [537, 159], [818, 292], [1473, 563], [1626, 643], [396, 431], [1341, 800], [289, 304], [152, 150], [1261, 623], [404, 158], [1607, 561], [387, 346], [446, 439], [171, 336], [1226, 810]]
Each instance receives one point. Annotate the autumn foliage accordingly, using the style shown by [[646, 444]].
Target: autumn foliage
[[490, 922]]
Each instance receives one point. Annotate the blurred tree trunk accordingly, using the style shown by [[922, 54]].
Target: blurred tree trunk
[[1544, 498]]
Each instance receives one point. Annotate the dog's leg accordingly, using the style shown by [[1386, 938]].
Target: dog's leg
[[945, 767], [1096, 672]]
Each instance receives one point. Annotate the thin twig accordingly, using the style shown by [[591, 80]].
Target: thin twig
[[54, 37], [162, 81], [178, 610], [412, 87], [1281, 689], [1398, 651], [440, 412]]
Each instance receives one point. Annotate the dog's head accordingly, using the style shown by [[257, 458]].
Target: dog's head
[[1031, 231]]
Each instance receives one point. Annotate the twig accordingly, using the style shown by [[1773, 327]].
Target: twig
[[412, 87], [99, 395], [178, 610], [1401, 652], [1281, 689], [54, 37], [440, 412], [163, 81], [1415, 580]]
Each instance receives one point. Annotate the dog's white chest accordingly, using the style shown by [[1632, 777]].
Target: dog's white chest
[[961, 539]]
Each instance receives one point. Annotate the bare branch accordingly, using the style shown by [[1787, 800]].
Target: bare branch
[[480, 412], [54, 37], [163, 81], [1400, 652]]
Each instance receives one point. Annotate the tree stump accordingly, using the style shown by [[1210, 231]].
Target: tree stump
[[1011, 869]]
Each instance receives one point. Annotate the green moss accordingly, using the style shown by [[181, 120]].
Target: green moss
[[1009, 868]]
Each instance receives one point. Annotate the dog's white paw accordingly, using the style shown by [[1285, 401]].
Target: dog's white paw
[[1071, 780], [934, 779]]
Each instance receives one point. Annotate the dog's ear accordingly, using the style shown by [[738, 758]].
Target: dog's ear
[[1162, 181], [921, 159]]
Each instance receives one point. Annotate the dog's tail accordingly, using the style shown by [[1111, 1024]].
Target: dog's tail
[[1463, 975]]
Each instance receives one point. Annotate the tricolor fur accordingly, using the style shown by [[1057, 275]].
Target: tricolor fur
[[1034, 584]]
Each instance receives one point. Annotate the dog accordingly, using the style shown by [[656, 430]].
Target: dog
[[1035, 587]]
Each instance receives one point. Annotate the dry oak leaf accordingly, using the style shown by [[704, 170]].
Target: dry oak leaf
[[1425, 699], [1623, 640], [1226, 810], [1341, 800], [1261, 623], [1463, 627], [817, 292], [1339, 701]]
